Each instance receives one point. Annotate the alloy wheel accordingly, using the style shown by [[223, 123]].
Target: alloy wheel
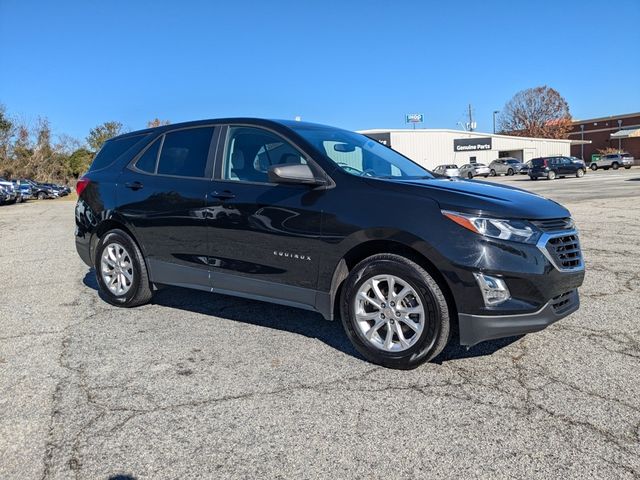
[[389, 313], [116, 269]]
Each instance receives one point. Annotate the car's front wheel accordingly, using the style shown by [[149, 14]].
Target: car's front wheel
[[492, 173], [121, 270], [470, 176], [580, 173], [394, 312], [510, 172], [594, 167]]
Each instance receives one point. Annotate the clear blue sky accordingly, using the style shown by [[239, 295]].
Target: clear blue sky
[[355, 64]]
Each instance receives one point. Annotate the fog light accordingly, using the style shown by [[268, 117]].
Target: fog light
[[494, 290]]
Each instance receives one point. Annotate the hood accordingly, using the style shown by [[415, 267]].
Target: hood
[[487, 198]]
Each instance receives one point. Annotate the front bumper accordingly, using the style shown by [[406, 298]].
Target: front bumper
[[478, 328]]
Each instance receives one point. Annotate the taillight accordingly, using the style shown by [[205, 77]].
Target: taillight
[[81, 185], [544, 162]]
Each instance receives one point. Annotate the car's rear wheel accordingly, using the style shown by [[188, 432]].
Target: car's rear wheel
[[615, 165], [510, 172], [492, 173], [594, 167], [551, 175], [121, 270], [394, 312], [580, 173], [532, 177], [469, 175]]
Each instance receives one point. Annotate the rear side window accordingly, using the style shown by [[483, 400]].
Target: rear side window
[[185, 152], [112, 149], [147, 162], [537, 162]]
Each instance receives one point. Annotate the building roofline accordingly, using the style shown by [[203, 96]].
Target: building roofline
[[460, 132], [600, 119]]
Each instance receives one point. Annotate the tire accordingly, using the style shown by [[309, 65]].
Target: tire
[[492, 173], [615, 165], [510, 172], [533, 178], [605, 168], [139, 291], [470, 176], [580, 173], [42, 195], [421, 346], [551, 175], [594, 167], [485, 176]]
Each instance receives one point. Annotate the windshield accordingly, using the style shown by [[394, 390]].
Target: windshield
[[360, 155]]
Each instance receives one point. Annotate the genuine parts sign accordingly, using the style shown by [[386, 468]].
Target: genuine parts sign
[[471, 144]]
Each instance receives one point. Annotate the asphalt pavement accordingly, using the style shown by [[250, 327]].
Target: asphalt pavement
[[197, 385]]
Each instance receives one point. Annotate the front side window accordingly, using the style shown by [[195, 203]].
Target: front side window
[[184, 152], [360, 155], [251, 151]]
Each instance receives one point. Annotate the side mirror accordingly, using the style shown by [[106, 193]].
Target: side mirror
[[294, 174]]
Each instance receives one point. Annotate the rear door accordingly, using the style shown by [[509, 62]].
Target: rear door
[[162, 196], [265, 237]]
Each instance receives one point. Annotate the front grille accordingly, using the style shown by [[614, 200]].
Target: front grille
[[565, 251], [562, 302], [554, 225]]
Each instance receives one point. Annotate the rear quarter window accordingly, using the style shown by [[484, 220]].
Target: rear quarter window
[[114, 149]]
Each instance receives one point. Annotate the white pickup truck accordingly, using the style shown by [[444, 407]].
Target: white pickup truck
[[613, 160]]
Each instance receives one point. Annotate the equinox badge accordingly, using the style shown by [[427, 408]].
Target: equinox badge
[[296, 256]]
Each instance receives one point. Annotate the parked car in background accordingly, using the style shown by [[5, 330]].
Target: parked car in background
[[471, 170], [447, 170], [507, 166], [26, 191], [553, 167], [10, 195], [39, 190], [58, 190], [613, 160]]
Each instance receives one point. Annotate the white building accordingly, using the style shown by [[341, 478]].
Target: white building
[[432, 147]]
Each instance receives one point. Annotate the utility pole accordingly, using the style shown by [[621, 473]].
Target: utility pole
[[495, 112], [470, 119]]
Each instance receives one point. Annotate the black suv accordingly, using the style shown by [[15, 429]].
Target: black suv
[[327, 220], [553, 167]]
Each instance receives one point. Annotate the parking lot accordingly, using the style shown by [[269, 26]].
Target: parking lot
[[197, 385]]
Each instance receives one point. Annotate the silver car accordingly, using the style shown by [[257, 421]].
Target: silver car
[[471, 170], [507, 166], [450, 170]]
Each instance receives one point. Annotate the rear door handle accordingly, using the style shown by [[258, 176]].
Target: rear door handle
[[134, 185], [226, 195]]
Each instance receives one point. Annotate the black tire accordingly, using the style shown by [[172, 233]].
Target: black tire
[[470, 176], [532, 177], [485, 176], [551, 175], [42, 195], [436, 331], [510, 172], [579, 173], [627, 168], [605, 168], [140, 291], [615, 165], [594, 167], [492, 173]]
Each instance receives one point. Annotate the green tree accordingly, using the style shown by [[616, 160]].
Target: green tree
[[78, 162], [102, 133]]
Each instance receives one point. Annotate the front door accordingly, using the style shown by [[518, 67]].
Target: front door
[[265, 237], [163, 198]]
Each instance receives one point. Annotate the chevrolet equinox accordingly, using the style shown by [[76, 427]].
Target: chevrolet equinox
[[327, 220]]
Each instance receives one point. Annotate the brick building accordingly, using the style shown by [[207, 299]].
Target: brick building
[[617, 131]]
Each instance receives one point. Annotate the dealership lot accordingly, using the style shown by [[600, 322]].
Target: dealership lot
[[202, 385]]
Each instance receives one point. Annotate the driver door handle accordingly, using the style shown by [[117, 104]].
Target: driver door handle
[[225, 195]]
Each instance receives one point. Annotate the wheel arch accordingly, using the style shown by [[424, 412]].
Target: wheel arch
[[106, 226], [372, 247]]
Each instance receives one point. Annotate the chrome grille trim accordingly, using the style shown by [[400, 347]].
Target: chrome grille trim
[[562, 249]]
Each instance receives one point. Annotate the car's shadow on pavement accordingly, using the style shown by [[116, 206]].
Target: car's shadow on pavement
[[289, 319]]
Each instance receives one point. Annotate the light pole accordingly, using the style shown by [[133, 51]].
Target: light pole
[[494, 120], [582, 144], [619, 138]]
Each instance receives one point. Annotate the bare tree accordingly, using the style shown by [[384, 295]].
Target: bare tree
[[156, 122], [536, 112]]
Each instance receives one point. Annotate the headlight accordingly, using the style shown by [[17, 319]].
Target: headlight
[[513, 230]]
